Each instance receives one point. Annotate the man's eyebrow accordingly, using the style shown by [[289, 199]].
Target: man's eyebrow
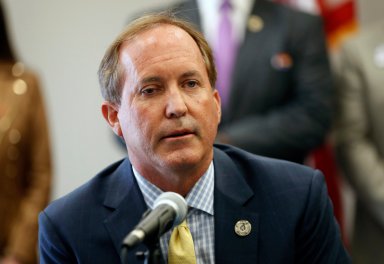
[[187, 74], [150, 79], [191, 74]]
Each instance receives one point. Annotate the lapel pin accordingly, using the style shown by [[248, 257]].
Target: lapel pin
[[282, 61], [243, 228], [255, 23]]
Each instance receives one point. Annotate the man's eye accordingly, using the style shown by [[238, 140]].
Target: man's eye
[[148, 91], [191, 84]]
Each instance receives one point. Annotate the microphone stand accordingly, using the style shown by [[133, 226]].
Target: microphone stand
[[151, 256], [169, 208]]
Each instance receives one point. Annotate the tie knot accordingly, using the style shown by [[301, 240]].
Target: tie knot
[[181, 248], [183, 224], [225, 5]]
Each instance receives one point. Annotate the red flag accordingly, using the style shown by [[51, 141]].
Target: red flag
[[339, 16], [340, 21]]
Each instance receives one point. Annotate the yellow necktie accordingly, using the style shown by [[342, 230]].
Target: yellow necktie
[[181, 249]]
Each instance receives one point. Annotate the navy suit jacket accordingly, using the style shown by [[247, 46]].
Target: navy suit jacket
[[277, 110], [286, 204]]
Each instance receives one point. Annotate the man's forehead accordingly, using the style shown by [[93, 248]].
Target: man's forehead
[[159, 40], [162, 34]]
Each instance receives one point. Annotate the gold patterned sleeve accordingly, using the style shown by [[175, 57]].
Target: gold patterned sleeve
[[36, 179]]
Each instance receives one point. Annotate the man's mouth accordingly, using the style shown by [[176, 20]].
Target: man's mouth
[[178, 133]]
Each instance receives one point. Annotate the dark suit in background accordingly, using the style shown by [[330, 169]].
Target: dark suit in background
[[281, 91], [286, 204]]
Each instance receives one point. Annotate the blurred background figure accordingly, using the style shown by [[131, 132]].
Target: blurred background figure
[[360, 137], [279, 99], [273, 74], [25, 160]]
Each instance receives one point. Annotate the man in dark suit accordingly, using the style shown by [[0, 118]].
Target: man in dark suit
[[281, 89], [158, 79]]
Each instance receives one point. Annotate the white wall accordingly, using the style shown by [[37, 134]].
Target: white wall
[[64, 41]]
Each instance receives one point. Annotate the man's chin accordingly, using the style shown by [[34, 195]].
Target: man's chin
[[181, 158]]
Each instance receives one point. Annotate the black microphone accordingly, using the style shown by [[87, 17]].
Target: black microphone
[[170, 209]]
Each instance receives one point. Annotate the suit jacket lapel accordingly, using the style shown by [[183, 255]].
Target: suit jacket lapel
[[127, 205], [231, 196], [252, 51], [232, 193]]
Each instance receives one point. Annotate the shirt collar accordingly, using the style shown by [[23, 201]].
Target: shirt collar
[[209, 14], [215, 4], [200, 197]]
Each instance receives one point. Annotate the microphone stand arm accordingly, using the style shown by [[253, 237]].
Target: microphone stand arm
[[151, 256]]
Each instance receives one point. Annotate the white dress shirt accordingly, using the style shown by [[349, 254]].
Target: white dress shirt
[[210, 14], [200, 216]]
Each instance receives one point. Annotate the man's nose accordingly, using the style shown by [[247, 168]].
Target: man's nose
[[176, 104]]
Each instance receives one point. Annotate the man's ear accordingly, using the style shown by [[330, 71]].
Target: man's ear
[[110, 112], [217, 99]]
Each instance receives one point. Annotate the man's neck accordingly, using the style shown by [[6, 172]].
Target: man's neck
[[180, 180]]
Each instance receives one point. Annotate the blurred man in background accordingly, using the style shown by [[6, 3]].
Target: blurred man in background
[[359, 134]]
